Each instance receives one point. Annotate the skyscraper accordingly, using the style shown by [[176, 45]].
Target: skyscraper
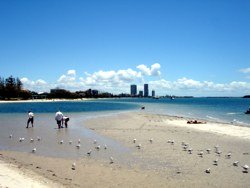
[[145, 90], [133, 90], [153, 93]]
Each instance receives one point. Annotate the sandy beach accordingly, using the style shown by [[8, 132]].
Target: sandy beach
[[157, 158]]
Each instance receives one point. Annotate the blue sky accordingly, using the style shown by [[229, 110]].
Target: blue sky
[[194, 47]]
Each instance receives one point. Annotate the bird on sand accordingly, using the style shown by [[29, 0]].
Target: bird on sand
[[208, 171], [245, 168], [73, 166], [111, 160], [78, 146], [134, 141], [89, 152], [34, 150], [236, 163]]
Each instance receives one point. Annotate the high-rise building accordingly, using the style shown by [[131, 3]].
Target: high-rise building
[[133, 90], [153, 93], [140, 93], [145, 90]]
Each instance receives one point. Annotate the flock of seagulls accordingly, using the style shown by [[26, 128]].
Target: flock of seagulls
[[184, 145], [200, 153], [78, 146]]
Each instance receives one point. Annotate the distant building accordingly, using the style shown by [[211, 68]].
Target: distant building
[[133, 90], [145, 90], [140, 93], [153, 93]]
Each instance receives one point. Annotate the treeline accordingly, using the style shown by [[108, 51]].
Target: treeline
[[11, 88]]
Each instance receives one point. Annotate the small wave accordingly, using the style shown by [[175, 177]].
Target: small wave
[[214, 118], [231, 113]]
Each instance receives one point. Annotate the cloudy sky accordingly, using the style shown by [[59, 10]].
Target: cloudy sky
[[194, 47]]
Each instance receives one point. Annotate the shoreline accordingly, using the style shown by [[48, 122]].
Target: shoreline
[[155, 164], [44, 100]]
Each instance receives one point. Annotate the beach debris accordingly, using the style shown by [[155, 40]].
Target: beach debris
[[105, 146], [79, 141], [21, 139], [151, 140], [236, 163], [216, 162], [208, 171], [208, 151], [94, 141], [139, 146], [61, 142], [70, 142], [38, 138], [245, 168], [31, 140], [190, 150], [10, 136], [111, 160], [78, 146], [228, 155], [89, 152], [34, 150], [134, 141], [172, 142], [201, 153], [98, 147], [73, 166]]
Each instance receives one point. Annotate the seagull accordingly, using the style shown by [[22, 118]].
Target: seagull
[[34, 150], [200, 154], [134, 140], [78, 146], [38, 138], [74, 166], [79, 141], [61, 142], [10, 136], [105, 146], [111, 160], [31, 140], [95, 142], [21, 139], [219, 152], [151, 140], [216, 162], [89, 152], [229, 155], [98, 147], [70, 142], [208, 171], [236, 163], [245, 167], [169, 141], [208, 150], [139, 146], [190, 150], [185, 148]]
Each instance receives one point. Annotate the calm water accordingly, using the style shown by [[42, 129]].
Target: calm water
[[216, 109]]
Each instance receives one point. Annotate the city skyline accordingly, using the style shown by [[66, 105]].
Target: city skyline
[[178, 47]]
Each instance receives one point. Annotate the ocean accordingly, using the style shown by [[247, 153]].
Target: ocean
[[226, 110]]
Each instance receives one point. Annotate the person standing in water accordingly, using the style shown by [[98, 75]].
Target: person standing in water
[[65, 121], [30, 119], [59, 119]]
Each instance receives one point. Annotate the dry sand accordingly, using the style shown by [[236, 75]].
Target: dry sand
[[156, 164]]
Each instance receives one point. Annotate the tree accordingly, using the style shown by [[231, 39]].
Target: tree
[[19, 86], [10, 87], [2, 88]]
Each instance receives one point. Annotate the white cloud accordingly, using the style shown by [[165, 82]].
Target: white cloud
[[38, 85], [71, 72], [153, 71], [245, 70]]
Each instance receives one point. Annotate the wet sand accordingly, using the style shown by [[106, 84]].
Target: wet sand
[[156, 164]]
